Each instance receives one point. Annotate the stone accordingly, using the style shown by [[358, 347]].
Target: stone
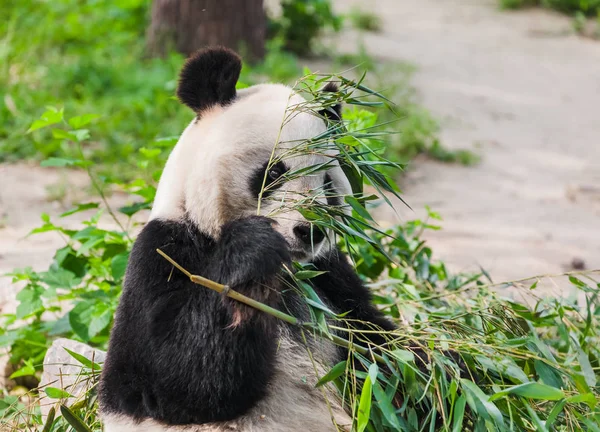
[[62, 371]]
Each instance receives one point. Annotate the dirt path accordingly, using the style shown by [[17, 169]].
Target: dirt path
[[27, 191], [527, 93]]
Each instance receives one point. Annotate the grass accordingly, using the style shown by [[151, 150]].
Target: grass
[[95, 61], [581, 10], [364, 20], [587, 7]]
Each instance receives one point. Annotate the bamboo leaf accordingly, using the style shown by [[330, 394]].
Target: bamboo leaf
[[307, 274], [364, 406], [49, 420], [56, 393], [531, 390], [481, 402], [459, 413], [84, 360], [334, 372], [74, 420]]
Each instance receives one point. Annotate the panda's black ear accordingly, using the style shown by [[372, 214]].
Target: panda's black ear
[[333, 112], [208, 78]]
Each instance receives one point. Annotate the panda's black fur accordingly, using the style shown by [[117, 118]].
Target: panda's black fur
[[181, 354]]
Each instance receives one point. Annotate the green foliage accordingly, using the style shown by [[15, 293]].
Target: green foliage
[[531, 364], [96, 57], [363, 20], [588, 7], [301, 22], [517, 4], [585, 7], [78, 294], [579, 21], [95, 61]]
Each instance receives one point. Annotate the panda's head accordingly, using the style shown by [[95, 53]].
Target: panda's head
[[242, 142]]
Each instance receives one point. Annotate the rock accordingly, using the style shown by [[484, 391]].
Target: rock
[[62, 371]]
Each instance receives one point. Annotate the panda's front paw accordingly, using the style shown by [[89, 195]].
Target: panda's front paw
[[251, 252]]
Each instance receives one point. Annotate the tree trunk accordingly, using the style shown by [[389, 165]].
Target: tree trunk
[[188, 25]]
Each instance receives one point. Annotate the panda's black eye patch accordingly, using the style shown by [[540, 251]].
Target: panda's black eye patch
[[273, 173]]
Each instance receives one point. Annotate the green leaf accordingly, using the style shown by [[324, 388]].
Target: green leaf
[[459, 413], [29, 300], [75, 136], [554, 413], [548, 375], [49, 420], [56, 393], [101, 318], [308, 274], [319, 305], [358, 207], [540, 426], [73, 420], [364, 406], [505, 366], [334, 372], [89, 244], [60, 278], [578, 283], [63, 134], [150, 153], [79, 121], [84, 360], [79, 318], [118, 265], [588, 398], [134, 208], [80, 208], [586, 368], [385, 405], [480, 402], [354, 177], [49, 118], [404, 356], [26, 370], [58, 162], [531, 390]]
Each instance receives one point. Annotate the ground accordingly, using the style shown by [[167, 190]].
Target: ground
[[519, 88], [523, 91]]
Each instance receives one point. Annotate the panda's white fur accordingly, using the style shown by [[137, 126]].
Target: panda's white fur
[[218, 153]]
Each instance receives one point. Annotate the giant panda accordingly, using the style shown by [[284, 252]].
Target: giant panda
[[185, 358]]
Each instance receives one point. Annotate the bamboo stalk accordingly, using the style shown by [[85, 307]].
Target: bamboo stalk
[[220, 288]]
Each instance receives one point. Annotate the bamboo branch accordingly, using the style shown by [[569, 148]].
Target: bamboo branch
[[220, 288]]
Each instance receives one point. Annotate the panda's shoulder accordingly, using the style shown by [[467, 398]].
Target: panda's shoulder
[[164, 232], [179, 240]]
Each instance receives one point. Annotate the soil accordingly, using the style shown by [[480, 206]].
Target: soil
[[523, 92]]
